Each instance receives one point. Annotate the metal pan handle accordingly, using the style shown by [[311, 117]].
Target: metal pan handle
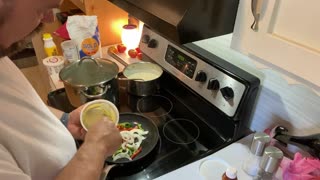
[[97, 95], [88, 57], [105, 171]]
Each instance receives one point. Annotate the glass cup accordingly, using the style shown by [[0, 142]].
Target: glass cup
[[70, 51]]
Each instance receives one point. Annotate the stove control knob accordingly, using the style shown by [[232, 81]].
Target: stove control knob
[[153, 43], [145, 38], [201, 76], [213, 84], [227, 93]]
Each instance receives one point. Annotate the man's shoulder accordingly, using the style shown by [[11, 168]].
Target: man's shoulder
[[4, 58]]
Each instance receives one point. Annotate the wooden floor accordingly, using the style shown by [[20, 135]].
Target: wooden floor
[[39, 79]]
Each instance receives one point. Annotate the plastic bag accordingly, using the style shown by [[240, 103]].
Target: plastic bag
[[62, 32], [84, 31], [300, 168]]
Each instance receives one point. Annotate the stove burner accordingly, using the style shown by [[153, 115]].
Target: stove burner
[[181, 131], [154, 106]]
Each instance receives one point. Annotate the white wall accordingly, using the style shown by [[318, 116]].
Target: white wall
[[296, 106]]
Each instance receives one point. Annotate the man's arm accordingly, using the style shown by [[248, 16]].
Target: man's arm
[[87, 163], [71, 121], [101, 141], [56, 112]]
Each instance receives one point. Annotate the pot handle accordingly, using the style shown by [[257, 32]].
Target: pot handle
[[88, 57], [105, 171], [97, 95], [126, 79]]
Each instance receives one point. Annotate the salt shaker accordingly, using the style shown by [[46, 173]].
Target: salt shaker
[[259, 142], [269, 164]]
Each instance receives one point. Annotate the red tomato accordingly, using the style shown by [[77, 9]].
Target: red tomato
[[139, 56], [132, 53], [136, 152], [121, 48], [112, 49], [138, 50]]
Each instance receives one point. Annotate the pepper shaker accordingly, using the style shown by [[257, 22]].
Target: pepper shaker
[[259, 142], [269, 164]]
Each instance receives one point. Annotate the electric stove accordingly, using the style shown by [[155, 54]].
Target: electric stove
[[204, 104]]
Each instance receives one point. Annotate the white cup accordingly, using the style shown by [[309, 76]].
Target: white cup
[[54, 64], [95, 107], [70, 50]]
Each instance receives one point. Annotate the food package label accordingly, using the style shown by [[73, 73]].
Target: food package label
[[84, 31]]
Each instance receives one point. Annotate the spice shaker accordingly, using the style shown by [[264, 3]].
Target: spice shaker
[[269, 164], [259, 142]]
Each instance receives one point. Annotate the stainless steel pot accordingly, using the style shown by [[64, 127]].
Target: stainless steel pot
[[143, 78], [89, 79]]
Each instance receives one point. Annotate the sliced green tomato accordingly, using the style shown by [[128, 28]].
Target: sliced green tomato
[[125, 125], [139, 126]]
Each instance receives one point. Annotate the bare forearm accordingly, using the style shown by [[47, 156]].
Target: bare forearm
[[87, 164]]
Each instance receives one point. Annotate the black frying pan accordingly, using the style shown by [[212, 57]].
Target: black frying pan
[[147, 144]]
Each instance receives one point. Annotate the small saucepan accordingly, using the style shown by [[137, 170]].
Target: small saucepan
[[148, 144], [142, 78]]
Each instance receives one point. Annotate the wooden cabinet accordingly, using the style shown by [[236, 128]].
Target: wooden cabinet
[[287, 40], [110, 22], [80, 4], [110, 18]]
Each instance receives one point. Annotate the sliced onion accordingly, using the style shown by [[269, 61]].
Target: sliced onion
[[123, 145], [139, 131], [127, 136], [131, 139], [136, 136], [121, 155]]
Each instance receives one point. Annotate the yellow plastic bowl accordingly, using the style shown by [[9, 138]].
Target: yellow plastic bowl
[[94, 111]]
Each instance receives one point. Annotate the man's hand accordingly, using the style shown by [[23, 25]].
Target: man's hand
[[74, 125], [104, 136]]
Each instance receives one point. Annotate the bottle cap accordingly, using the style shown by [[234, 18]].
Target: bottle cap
[[231, 172], [271, 159], [46, 36], [259, 142]]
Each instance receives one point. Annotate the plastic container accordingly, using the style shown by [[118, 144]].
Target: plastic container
[[230, 174], [54, 64], [70, 51], [97, 109], [49, 46], [213, 168]]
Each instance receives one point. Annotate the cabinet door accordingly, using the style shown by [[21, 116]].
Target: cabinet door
[[288, 37]]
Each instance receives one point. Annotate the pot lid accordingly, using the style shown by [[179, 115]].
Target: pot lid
[[89, 72]]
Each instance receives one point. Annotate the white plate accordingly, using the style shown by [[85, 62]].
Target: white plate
[[213, 168]]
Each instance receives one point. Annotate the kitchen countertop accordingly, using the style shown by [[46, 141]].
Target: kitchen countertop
[[212, 167]]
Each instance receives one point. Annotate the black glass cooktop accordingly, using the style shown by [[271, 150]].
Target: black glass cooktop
[[189, 128]]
